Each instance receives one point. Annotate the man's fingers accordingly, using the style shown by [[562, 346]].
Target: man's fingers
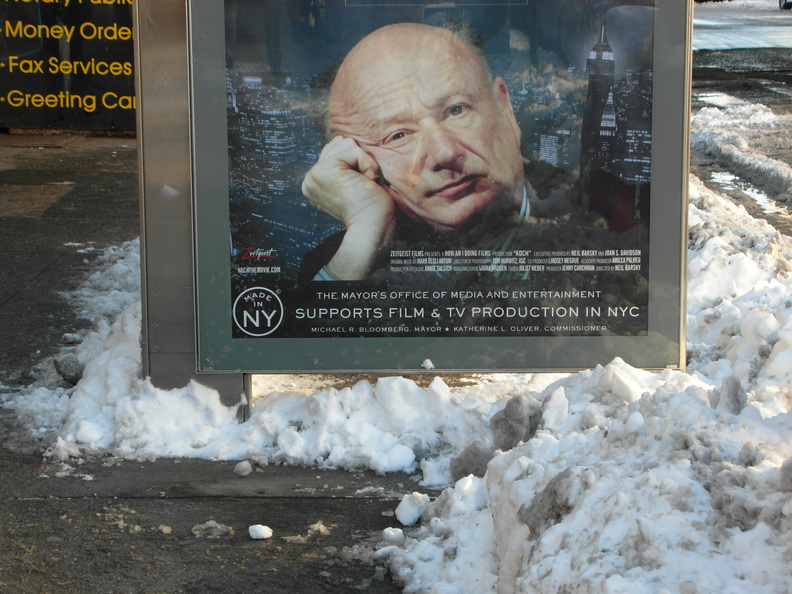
[[332, 147], [344, 184], [348, 152]]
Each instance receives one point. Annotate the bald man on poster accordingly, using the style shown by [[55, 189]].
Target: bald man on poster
[[422, 137]]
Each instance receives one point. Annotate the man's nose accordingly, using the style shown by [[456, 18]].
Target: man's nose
[[441, 147]]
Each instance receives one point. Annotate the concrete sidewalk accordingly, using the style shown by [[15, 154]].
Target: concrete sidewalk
[[119, 526]]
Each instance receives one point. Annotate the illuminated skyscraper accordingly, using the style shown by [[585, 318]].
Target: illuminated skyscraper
[[598, 134], [615, 159]]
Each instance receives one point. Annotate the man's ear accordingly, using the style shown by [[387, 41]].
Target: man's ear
[[501, 92]]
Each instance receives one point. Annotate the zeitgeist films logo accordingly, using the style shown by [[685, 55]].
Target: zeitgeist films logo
[[258, 253]]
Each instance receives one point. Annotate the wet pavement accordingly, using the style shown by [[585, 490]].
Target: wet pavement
[[751, 75], [109, 525]]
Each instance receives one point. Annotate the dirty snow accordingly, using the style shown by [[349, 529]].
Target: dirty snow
[[731, 136], [613, 479]]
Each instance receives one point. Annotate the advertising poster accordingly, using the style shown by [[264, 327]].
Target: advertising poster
[[426, 172], [525, 219], [67, 64]]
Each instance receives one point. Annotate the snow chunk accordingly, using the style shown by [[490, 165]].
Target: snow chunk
[[555, 410], [517, 422], [243, 468], [411, 507], [552, 504], [259, 532], [786, 476], [635, 422], [394, 536], [620, 383], [212, 529], [472, 460]]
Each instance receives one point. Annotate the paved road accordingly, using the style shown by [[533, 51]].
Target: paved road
[[759, 75], [716, 28]]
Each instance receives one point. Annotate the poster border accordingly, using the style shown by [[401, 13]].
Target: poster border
[[662, 347]]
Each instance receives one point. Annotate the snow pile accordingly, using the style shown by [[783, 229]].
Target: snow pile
[[111, 289], [386, 427], [621, 494], [730, 136], [107, 293], [639, 482], [739, 303]]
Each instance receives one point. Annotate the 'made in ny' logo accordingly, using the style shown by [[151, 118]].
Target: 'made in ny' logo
[[258, 312]]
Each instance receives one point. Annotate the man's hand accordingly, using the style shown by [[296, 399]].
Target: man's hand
[[343, 183]]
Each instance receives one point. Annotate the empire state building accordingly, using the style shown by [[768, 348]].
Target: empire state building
[[616, 141], [598, 134]]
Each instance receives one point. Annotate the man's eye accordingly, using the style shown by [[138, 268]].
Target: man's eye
[[456, 110], [396, 137]]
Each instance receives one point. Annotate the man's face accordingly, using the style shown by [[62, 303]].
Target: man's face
[[420, 102]]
